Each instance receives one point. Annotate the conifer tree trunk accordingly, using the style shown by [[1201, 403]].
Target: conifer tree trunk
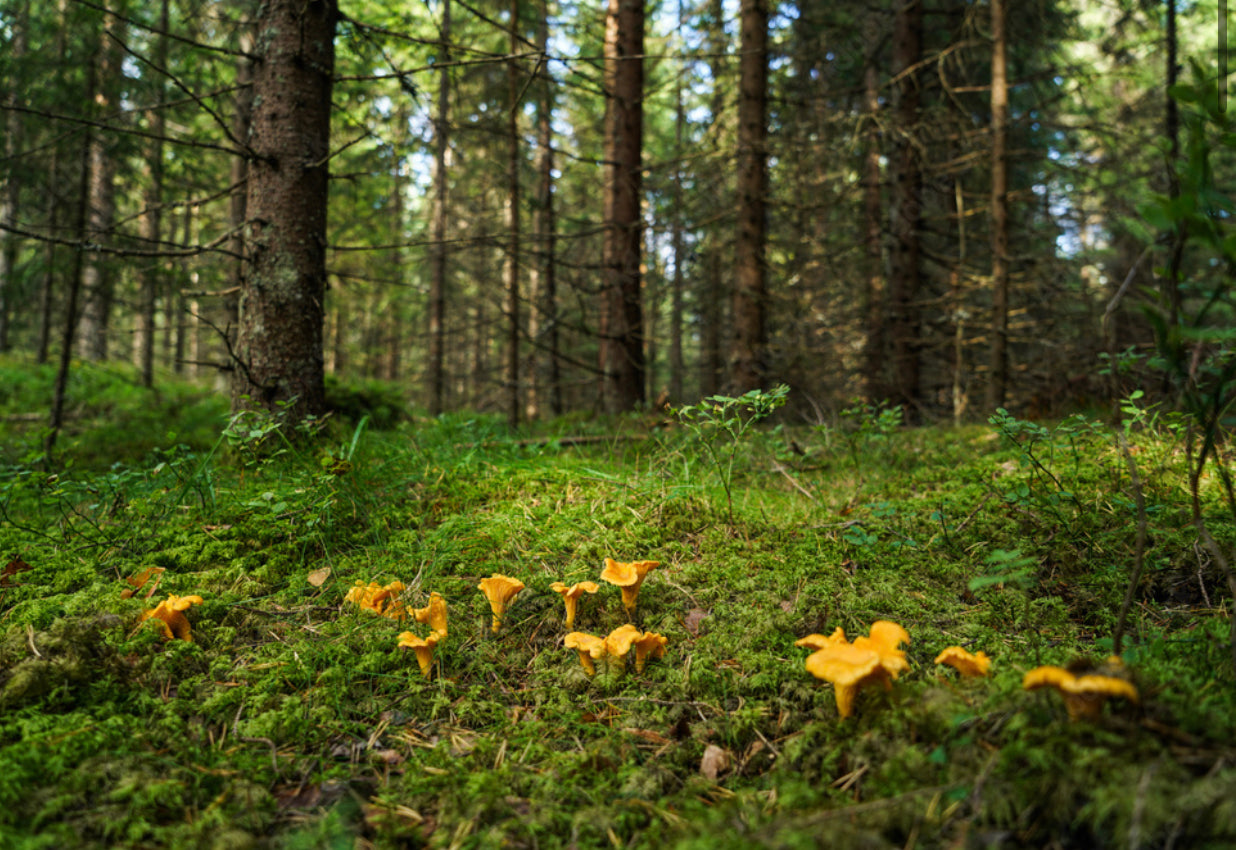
[[149, 272], [544, 389], [97, 280], [279, 346], [712, 290], [999, 365], [676, 364], [10, 189], [748, 364], [435, 372], [510, 374], [622, 332], [238, 203], [873, 247], [906, 207]]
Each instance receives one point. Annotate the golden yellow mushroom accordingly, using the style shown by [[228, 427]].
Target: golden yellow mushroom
[[628, 576], [434, 614], [423, 647], [648, 645], [381, 600], [966, 663], [1085, 694], [590, 648], [499, 590], [848, 668], [170, 613], [570, 596]]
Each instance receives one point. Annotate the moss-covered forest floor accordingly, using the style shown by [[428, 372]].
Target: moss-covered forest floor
[[292, 719]]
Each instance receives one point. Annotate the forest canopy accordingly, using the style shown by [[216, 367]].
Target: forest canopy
[[540, 207]]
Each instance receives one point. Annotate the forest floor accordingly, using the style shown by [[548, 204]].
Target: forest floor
[[292, 719]]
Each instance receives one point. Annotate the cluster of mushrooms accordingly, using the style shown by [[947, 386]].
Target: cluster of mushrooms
[[877, 658], [500, 590]]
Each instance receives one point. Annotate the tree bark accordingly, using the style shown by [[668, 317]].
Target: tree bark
[[623, 332], [906, 208], [279, 362], [545, 388], [999, 364], [436, 377], [749, 358], [510, 373], [873, 231], [97, 281], [10, 190], [150, 271]]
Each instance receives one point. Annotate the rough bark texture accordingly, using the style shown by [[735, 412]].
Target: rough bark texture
[[748, 359], [10, 190], [279, 347], [906, 208], [150, 270], [435, 372], [622, 333], [999, 365], [510, 274], [544, 390], [873, 247], [97, 281]]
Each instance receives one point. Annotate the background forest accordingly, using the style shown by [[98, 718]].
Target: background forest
[[924, 204]]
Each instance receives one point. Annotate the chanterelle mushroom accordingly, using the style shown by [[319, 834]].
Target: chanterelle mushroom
[[1085, 693], [628, 576], [423, 647], [648, 645], [499, 590], [590, 648], [381, 600], [966, 663], [170, 614], [434, 614], [570, 596], [848, 666]]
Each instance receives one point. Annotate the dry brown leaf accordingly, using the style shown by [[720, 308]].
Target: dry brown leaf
[[715, 762], [319, 576], [693, 619]]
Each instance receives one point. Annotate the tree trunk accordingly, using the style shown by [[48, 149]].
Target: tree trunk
[[436, 377], [10, 191], [999, 365], [873, 247], [676, 364], [712, 295], [906, 208], [279, 346], [149, 271], [510, 372], [238, 212], [98, 282], [749, 358], [545, 386], [622, 332]]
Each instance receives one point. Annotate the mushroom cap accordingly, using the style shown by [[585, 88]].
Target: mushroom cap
[[848, 668], [170, 614], [1084, 695], [628, 573], [585, 642], [618, 642], [411, 641], [817, 641], [434, 614], [965, 663], [884, 639], [500, 590], [650, 644], [574, 591], [381, 600]]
